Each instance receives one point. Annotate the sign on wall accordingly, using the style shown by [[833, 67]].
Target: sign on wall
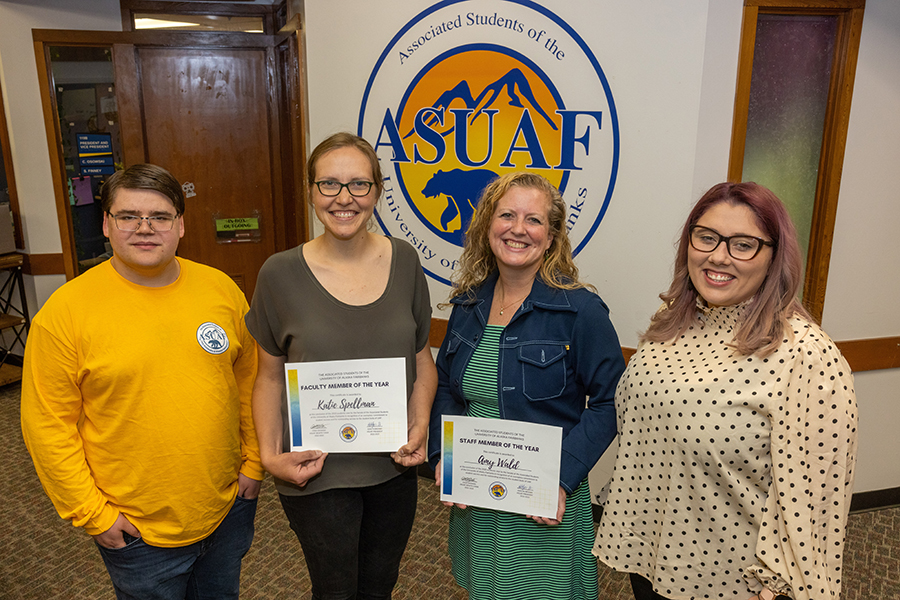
[[470, 90]]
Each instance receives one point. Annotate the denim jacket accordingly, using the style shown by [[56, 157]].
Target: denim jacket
[[558, 349]]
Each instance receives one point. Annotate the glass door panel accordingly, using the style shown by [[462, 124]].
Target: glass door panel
[[789, 90], [85, 93]]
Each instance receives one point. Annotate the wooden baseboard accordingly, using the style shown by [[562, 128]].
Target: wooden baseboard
[[874, 500], [43, 264]]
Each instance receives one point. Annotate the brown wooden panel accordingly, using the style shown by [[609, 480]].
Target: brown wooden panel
[[57, 166], [871, 354], [293, 131], [129, 7], [794, 4], [742, 95], [131, 130], [151, 37], [44, 264], [279, 152], [437, 333], [206, 120], [862, 355]]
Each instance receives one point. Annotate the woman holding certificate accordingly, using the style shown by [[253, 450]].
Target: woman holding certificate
[[347, 294], [737, 422], [527, 341]]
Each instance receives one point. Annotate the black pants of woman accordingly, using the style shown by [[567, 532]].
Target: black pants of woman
[[643, 589], [353, 538]]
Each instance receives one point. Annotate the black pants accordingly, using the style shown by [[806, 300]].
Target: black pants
[[353, 538], [643, 589]]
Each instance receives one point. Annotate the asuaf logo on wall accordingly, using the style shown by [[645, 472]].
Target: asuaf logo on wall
[[472, 89]]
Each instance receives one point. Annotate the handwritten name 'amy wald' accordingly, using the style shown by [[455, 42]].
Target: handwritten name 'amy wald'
[[500, 463]]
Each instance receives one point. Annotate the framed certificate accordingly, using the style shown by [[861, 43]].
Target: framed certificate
[[505, 465], [347, 405]]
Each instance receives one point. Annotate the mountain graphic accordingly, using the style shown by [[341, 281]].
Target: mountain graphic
[[514, 81]]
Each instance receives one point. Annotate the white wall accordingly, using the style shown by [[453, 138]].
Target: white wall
[[863, 282]]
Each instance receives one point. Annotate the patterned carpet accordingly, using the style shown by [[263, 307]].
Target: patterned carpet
[[45, 558]]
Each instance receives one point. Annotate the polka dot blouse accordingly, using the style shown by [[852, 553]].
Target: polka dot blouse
[[733, 472]]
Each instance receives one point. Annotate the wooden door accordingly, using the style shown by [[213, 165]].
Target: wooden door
[[206, 117], [225, 113]]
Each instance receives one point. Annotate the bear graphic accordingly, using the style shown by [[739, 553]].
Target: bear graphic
[[462, 189], [212, 339]]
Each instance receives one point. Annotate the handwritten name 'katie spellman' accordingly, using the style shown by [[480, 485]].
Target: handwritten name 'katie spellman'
[[345, 404]]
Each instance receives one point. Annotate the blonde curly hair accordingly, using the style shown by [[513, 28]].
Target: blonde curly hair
[[478, 261]]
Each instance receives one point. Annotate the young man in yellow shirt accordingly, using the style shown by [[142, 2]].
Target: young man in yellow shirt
[[136, 403]]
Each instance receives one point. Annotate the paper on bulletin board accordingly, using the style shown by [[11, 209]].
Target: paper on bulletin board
[[81, 190]]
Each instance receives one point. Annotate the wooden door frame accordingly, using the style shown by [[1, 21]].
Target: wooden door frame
[[290, 226], [294, 129]]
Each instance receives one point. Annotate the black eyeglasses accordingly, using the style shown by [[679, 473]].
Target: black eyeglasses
[[134, 222], [740, 247], [359, 188]]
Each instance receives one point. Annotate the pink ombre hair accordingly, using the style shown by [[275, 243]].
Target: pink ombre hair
[[764, 322]]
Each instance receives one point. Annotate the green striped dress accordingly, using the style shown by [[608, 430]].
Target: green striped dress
[[498, 555]]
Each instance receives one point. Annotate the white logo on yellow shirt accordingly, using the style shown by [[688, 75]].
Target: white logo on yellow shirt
[[212, 338]]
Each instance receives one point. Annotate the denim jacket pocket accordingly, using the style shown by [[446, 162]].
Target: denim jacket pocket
[[543, 370], [453, 341]]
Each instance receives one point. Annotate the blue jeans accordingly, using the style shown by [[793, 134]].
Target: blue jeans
[[208, 569], [353, 538]]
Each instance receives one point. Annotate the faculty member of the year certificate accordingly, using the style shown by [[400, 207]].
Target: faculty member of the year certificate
[[347, 405]]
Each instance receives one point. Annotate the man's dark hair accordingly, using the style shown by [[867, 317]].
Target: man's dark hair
[[143, 176]]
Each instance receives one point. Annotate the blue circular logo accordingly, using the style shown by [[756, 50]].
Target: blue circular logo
[[212, 338], [468, 91], [498, 490], [348, 432]]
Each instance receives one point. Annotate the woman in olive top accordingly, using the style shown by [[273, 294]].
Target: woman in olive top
[[347, 294]]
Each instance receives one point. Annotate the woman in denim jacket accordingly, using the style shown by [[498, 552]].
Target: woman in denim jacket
[[527, 341]]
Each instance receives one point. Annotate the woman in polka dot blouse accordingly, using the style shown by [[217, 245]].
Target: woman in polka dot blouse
[[737, 422]]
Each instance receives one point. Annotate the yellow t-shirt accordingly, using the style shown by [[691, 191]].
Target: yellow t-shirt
[[137, 400]]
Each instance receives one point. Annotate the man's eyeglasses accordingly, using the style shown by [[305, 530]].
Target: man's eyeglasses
[[328, 187], [133, 222], [740, 247]]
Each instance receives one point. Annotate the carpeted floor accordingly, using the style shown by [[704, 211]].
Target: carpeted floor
[[45, 558]]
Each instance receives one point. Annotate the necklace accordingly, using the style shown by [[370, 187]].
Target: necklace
[[502, 308]]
